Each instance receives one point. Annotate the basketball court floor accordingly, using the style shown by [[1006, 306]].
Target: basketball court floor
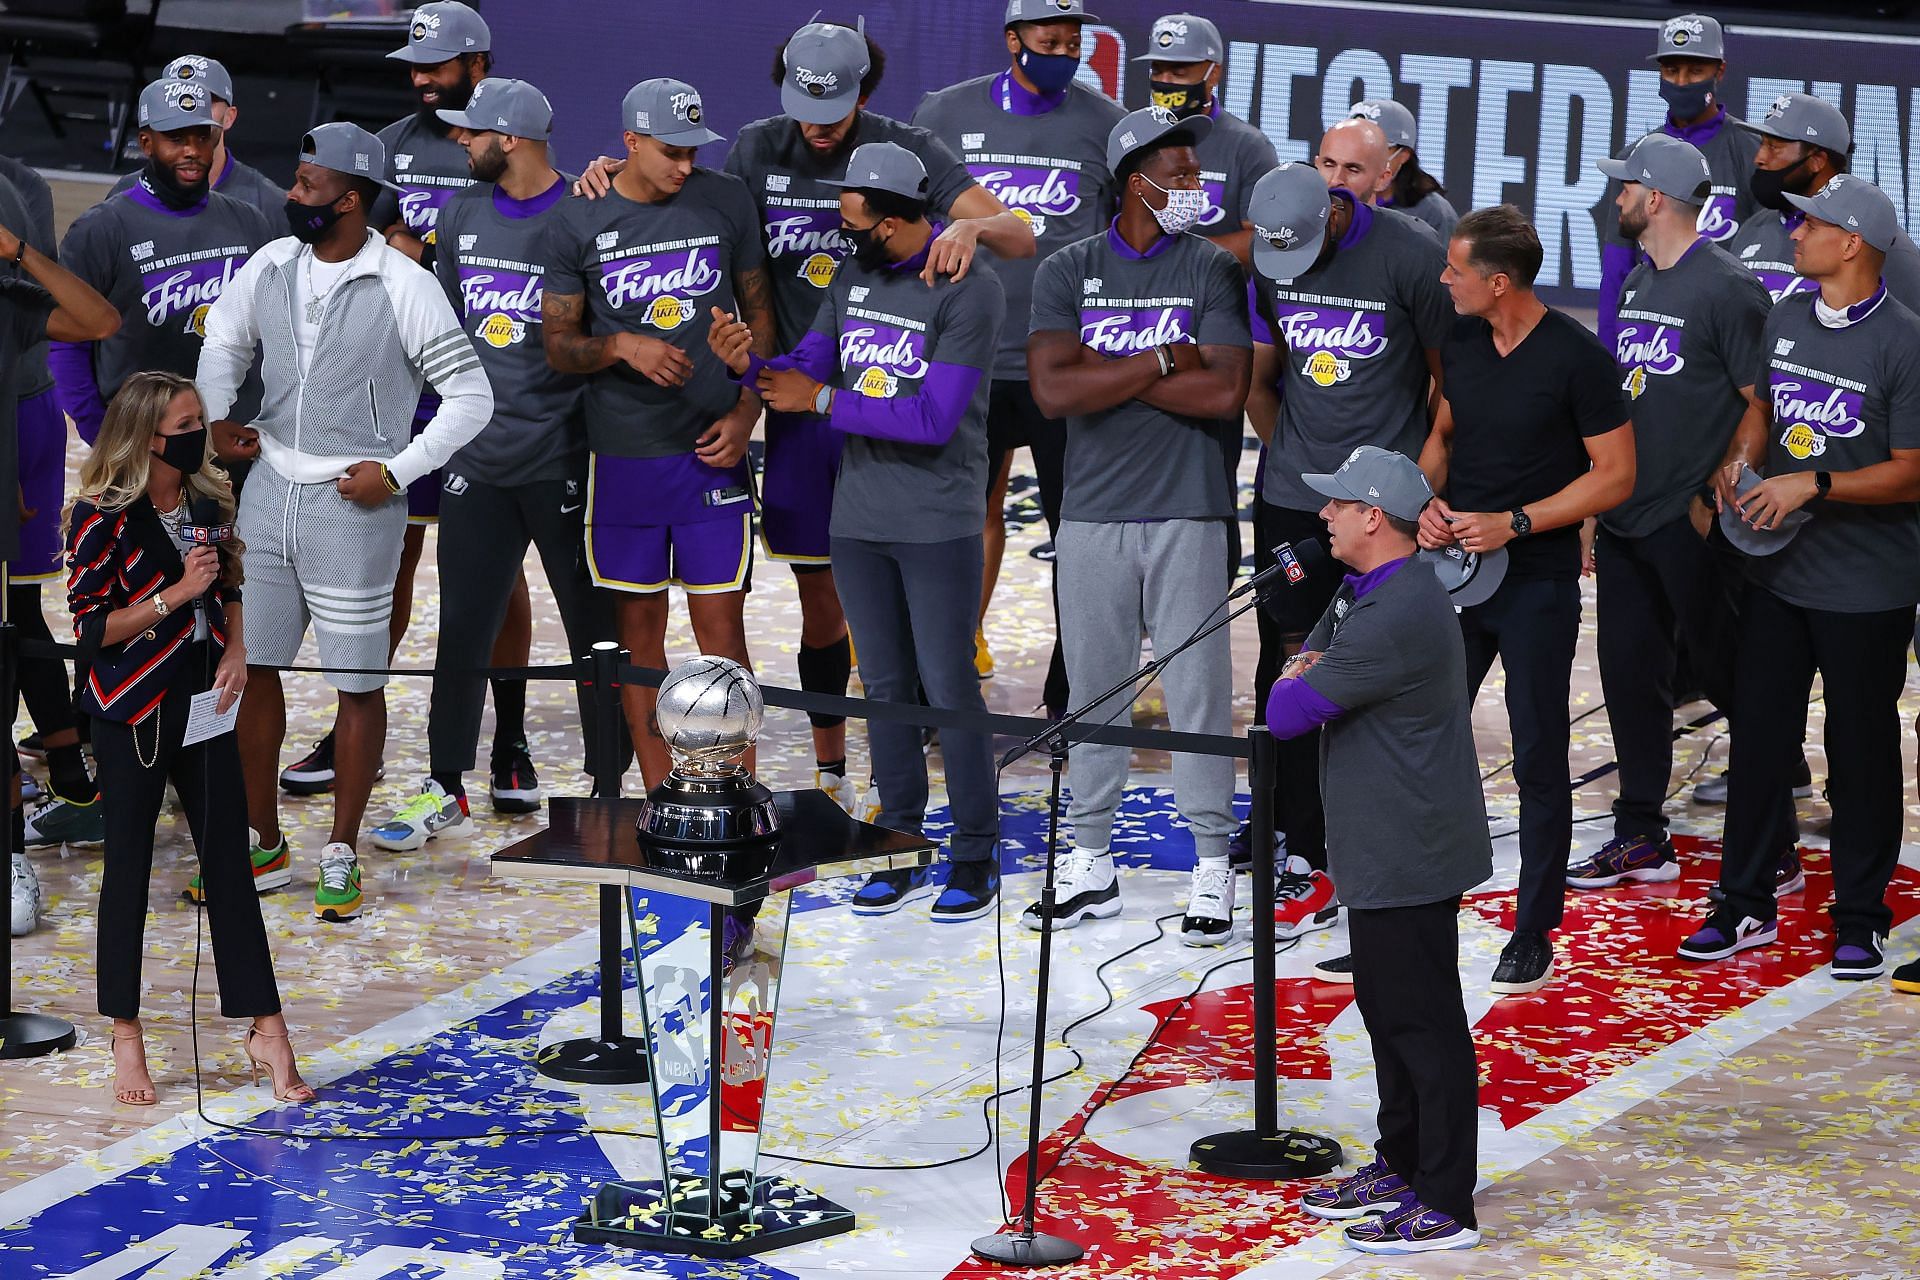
[[1638, 1117]]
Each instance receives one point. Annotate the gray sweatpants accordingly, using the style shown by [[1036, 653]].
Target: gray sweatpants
[[1170, 575]]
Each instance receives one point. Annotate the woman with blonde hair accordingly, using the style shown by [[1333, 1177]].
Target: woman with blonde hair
[[160, 617]]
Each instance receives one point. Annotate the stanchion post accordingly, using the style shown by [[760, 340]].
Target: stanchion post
[[614, 1057], [1266, 1152], [22, 1035]]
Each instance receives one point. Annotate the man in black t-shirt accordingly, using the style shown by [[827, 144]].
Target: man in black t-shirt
[[1533, 438]]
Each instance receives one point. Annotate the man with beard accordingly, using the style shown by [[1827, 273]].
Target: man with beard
[[447, 49], [350, 329], [1186, 60], [162, 252], [630, 280], [523, 478], [1035, 138], [1690, 321], [230, 176], [1691, 53], [1409, 188]]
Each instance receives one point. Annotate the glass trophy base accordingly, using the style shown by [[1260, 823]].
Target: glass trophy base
[[777, 1213]]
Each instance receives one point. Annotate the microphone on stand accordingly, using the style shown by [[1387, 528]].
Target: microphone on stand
[[1293, 565]]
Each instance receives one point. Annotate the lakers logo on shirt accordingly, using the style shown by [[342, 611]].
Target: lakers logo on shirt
[[1803, 442], [669, 313], [1636, 382], [1326, 369], [818, 269], [877, 384], [197, 321], [500, 331]]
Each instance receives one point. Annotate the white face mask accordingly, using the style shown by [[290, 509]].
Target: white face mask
[[1184, 208]]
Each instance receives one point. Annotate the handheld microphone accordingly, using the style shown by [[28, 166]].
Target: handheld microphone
[[1293, 565], [205, 526]]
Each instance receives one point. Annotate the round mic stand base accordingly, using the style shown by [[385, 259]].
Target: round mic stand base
[[1027, 1249], [1287, 1154], [33, 1035]]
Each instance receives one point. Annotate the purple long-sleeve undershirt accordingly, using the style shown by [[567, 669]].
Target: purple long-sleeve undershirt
[[1616, 264], [815, 357], [1295, 708], [930, 416], [74, 388]]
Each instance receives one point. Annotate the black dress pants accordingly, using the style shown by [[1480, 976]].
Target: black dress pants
[[207, 776], [1406, 982]]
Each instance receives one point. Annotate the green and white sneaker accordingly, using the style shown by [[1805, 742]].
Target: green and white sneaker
[[272, 868], [58, 820], [431, 813], [337, 895]]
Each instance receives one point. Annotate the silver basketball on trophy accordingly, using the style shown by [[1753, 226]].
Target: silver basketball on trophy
[[709, 817], [710, 713]]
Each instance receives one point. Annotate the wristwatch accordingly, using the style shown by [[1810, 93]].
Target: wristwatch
[[390, 480], [159, 605], [1822, 483], [823, 400], [1522, 522]]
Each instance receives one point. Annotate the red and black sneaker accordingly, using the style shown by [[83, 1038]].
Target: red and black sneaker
[[514, 785], [311, 775], [1303, 900]]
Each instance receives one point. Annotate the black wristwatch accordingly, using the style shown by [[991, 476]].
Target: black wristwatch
[[1522, 522], [1822, 483]]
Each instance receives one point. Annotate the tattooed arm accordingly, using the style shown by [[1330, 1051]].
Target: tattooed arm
[[725, 442], [571, 349]]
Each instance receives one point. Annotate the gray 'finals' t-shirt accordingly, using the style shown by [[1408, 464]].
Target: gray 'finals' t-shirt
[[491, 262], [1843, 399], [1233, 156], [1765, 247], [26, 208], [1355, 333], [801, 214], [1406, 819], [1051, 169], [656, 269], [428, 166], [162, 269], [239, 181], [1136, 462], [1433, 210], [896, 339], [1689, 340], [1729, 151]]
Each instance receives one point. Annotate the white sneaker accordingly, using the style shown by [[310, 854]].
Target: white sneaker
[[430, 814], [1084, 888], [839, 786], [869, 810], [1209, 918], [26, 897]]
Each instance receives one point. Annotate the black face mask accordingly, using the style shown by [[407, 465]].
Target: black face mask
[[1689, 101], [866, 250], [186, 452], [310, 223], [1182, 99], [158, 179], [1769, 187]]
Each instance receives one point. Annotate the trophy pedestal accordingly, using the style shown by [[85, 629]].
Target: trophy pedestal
[[710, 949]]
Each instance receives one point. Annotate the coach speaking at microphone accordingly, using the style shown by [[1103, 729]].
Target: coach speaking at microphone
[[1384, 676]]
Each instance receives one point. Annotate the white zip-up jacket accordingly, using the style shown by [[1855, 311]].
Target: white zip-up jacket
[[387, 330]]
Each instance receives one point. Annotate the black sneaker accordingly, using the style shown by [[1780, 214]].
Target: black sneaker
[[972, 889], [31, 747], [1339, 969], [1858, 954], [1525, 965], [885, 892], [1240, 848], [1907, 978], [515, 786], [312, 775]]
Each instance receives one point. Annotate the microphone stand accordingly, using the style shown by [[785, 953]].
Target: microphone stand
[[1027, 1247]]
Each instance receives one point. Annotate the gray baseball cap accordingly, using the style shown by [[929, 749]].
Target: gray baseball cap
[[1470, 577], [825, 63], [666, 109], [1378, 477], [1801, 117], [1138, 130], [207, 73], [884, 166], [1048, 11], [442, 30], [505, 106], [1752, 541], [1394, 120], [1672, 167], [1289, 210], [1691, 35], [347, 148], [166, 105], [1853, 204], [1184, 37]]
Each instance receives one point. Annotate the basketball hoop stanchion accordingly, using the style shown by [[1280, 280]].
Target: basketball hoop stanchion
[[22, 1035], [612, 1057], [1265, 1152]]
